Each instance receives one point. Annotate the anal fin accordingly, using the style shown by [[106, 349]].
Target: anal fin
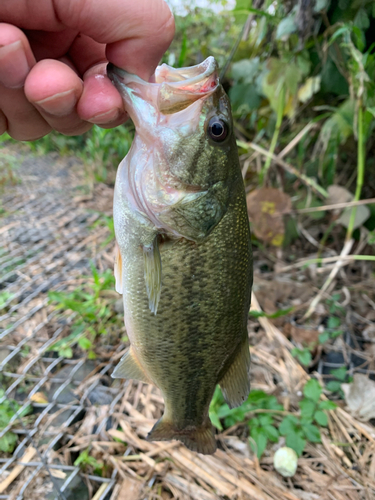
[[199, 439], [152, 262], [118, 269], [129, 367], [235, 384]]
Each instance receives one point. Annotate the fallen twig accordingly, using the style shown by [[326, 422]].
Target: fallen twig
[[286, 166], [27, 457], [345, 251]]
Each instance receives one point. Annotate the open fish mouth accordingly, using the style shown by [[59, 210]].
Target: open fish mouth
[[174, 89]]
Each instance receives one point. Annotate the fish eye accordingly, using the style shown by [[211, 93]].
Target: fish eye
[[217, 129]]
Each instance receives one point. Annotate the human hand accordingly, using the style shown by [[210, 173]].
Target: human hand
[[53, 55]]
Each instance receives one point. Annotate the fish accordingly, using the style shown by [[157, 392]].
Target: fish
[[183, 249]]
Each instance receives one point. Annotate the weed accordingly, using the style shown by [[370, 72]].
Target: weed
[[85, 461], [8, 408], [340, 376], [332, 331], [5, 297], [277, 314], [105, 148], [303, 355], [269, 420], [108, 222], [93, 313], [300, 429]]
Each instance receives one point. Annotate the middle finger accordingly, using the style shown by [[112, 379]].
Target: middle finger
[[54, 89]]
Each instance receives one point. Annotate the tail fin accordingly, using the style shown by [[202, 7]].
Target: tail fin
[[199, 439]]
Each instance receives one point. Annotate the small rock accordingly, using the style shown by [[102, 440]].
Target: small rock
[[285, 461]]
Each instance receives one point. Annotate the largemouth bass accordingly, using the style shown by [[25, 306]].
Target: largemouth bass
[[184, 262]]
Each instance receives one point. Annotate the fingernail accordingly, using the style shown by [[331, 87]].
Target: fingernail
[[59, 104], [107, 117], [13, 65]]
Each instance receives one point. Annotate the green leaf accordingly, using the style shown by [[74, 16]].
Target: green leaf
[[244, 98], [265, 419], [8, 442], [303, 355], [288, 425], [361, 20], [84, 343], [245, 70], [312, 390], [323, 337], [333, 322], [339, 373], [312, 433], [215, 421], [66, 352], [254, 422], [224, 411], [286, 27], [336, 333], [307, 408], [327, 405], [295, 441], [260, 438], [272, 433], [321, 418], [333, 386], [277, 314], [183, 52]]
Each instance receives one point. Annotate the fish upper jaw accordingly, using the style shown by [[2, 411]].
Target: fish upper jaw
[[174, 90]]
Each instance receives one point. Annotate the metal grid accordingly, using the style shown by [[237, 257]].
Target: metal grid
[[348, 352], [45, 241]]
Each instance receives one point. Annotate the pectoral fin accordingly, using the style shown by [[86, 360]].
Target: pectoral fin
[[152, 261], [235, 384], [118, 269], [129, 367]]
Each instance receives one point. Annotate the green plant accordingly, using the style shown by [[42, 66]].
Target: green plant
[[5, 297], [93, 313], [85, 461], [277, 314], [267, 420], [340, 375], [8, 408], [334, 322], [105, 221], [101, 150], [104, 149], [300, 429], [303, 355]]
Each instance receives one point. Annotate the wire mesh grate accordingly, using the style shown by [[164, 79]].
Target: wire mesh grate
[[46, 242]]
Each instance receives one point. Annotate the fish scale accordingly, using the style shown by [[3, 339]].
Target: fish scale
[[186, 272]]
